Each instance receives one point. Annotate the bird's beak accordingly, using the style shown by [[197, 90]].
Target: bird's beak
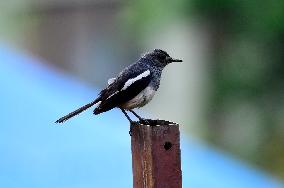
[[174, 60]]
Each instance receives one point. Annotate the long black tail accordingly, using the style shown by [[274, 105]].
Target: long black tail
[[78, 111]]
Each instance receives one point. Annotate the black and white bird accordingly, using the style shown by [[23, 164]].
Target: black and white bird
[[134, 86]]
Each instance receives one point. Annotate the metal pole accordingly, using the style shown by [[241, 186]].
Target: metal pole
[[156, 161]]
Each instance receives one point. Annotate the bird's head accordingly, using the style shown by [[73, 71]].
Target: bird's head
[[160, 57]]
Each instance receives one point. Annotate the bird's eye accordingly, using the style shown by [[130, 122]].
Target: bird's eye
[[161, 56]]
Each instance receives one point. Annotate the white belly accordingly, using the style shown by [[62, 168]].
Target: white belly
[[141, 99]]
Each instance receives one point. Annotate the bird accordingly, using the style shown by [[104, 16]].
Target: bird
[[133, 87]]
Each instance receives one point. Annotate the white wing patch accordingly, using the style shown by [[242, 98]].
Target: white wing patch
[[112, 94], [129, 82], [132, 80], [110, 81]]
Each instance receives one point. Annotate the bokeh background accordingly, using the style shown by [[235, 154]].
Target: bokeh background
[[229, 92]]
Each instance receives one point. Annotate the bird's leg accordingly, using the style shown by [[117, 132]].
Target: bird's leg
[[136, 115], [145, 121], [129, 119], [126, 115]]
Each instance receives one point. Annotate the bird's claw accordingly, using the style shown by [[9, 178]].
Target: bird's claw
[[145, 121]]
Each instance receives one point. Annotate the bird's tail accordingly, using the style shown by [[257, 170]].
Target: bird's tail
[[78, 111]]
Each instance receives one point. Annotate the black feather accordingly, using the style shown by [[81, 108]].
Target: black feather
[[78, 111], [122, 96]]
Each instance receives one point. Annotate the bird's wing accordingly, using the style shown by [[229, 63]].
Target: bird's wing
[[124, 88]]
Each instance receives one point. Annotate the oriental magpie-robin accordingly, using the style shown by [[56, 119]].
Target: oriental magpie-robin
[[134, 86]]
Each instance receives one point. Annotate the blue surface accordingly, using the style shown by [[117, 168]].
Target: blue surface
[[87, 151]]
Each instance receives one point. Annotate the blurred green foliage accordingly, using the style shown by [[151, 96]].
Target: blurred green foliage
[[142, 17], [245, 113], [248, 72], [13, 22]]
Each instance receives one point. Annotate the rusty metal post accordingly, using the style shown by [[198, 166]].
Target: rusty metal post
[[156, 161]]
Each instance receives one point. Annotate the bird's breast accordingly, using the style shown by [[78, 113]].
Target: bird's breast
[[141, 99]]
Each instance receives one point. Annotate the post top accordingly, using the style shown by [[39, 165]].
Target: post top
[[157, 122]]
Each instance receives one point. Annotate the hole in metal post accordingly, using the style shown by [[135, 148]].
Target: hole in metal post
[[167, 145]]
